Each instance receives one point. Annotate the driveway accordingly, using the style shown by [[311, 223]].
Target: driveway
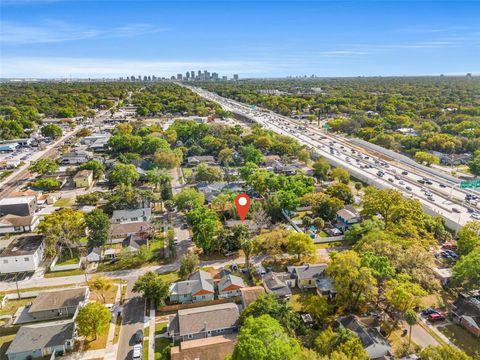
[[133, 320], [420, 336]]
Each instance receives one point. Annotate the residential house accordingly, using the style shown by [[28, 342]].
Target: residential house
[[229, 286], [203, 322], [20, 205], [346, 217], [368, 330], [452, 159], [122, 231], [75, 158], [306, 275], [250, 294], [210, 348], [42, 340], [95, 255], [211, 191], [41, 198], [18, 224], [142, 214], [278, 284], [252, 226], [23, 254], [199, 287], [133, 242], [466, 312], [49, 305], [83, 179], [196, 160]]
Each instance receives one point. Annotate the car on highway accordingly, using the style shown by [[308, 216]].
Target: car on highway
[[408, 188], [455, 210], [391, 180], [404, 172], [436, 317], [442, 185]]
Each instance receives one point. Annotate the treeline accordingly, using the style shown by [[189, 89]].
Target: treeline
[[24, 105], [168, 98]]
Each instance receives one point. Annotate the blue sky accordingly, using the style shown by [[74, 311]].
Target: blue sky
[[54, 38]]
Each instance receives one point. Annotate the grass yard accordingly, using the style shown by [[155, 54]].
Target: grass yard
[[170, 277], [5, 342], [65, 257], [100, 343], [118, 326], [162, 349], [12, 306], [56, 274], [64, 202], [160, 328], [462, 338], [109, 295]]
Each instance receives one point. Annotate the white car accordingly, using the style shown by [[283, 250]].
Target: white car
[[137, 351]]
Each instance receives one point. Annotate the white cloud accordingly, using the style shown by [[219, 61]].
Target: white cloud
[[51, 67], [55, 32]]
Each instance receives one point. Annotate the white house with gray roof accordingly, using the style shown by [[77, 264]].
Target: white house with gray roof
[[203, 322], [199, 287], [131, 215], [42, 340], [230, 286]]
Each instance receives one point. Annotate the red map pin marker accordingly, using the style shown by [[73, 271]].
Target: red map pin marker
[[242, 203]]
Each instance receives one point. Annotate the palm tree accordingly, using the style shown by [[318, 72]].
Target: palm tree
[[411, 319]]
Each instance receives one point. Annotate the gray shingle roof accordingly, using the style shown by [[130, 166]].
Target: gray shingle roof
[[40, 336], [192, 321], [198, 281], [52, 300], [307, 271]]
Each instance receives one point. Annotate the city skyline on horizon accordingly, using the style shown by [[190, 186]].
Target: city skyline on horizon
[[110, 39]]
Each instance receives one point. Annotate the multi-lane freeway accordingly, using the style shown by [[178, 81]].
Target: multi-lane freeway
[[439, 195]]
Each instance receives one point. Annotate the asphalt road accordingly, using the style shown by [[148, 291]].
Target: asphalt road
[[133, 320]]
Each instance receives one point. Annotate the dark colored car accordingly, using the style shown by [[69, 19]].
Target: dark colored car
[[429, 311], [404, 172], [139, 336]]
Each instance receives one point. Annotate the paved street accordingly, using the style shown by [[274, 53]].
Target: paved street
[[133, 320]]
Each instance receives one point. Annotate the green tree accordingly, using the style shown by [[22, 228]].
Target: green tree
[[153, 288], [300, 244], [353, 283], [209, 174], [380, 265], [466, 272], [341, 344], [341, 191], [443, 352], [94, 165], [62, 228], [317, 306], [124, 174], [225, 157], [384, 202], [48, 184], [268, 304], [44, 166], [166, 159], [101, 285], [98, 224], [474, 165], [189, 199], [271, 243], [92, 320], [188, 265], [341, 175], [51, 131], [205, 225], [252, 154], [426, 158], [411, 319], [321, 169], [401, 295], [469, 238], [263, 338]]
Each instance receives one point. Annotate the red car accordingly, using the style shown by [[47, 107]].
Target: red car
[[436, 317]]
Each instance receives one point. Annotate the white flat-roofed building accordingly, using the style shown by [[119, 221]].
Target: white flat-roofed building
[[23, 254]]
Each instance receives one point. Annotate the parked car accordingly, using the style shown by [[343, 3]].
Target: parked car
[[137, 351], [139, 336], [436, 317], [429, 311]]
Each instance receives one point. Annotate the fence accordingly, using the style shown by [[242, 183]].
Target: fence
[[175, 307]]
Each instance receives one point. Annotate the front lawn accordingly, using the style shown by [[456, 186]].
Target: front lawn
[[64, 202], [162, 349], [462, 338], [109, 295], [55, 274], [100, 343], [11, 306], [65, 258]]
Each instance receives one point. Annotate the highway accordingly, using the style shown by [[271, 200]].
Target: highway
[[438, 195]]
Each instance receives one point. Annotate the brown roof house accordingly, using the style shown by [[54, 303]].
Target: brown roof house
[[210, 348], [204, 322], [466, 312]]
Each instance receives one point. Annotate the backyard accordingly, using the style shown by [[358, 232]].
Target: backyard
[[462, 338]]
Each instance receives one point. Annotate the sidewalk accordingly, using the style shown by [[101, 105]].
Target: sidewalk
[[151, 334]]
